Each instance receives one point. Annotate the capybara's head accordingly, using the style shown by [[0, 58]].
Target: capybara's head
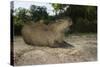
[[62, 24]]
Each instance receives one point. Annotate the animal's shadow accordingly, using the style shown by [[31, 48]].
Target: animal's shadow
[[63, 44]]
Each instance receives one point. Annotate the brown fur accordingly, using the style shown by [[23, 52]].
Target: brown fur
[[45, 35]]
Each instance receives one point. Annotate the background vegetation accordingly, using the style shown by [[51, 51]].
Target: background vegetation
[[84, 17]]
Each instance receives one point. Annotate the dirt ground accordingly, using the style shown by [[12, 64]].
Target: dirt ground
[[84, 50]]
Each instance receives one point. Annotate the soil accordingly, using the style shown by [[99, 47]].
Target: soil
[[84, 49]]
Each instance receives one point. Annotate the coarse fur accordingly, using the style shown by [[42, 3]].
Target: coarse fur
[[40, 34]]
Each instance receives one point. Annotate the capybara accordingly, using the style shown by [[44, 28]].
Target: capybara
[[40, 34]]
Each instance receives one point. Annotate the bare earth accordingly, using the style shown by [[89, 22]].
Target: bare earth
[[85, 49]]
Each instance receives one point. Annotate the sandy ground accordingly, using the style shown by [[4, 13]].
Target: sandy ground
[[85, 49]]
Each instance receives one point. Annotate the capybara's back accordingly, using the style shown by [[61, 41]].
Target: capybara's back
[[37, 34]]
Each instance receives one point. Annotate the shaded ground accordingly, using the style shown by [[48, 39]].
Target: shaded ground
[[85, 49]]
